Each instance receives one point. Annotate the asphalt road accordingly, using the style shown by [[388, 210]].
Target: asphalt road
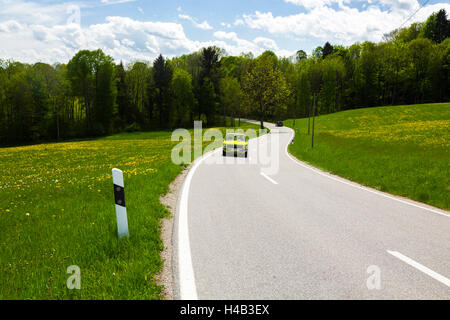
[[246, 230]]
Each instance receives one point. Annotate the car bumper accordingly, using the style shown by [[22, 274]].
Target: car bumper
[[235, 151]]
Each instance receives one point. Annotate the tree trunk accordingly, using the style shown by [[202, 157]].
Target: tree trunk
[[57, 124], [261, 115]]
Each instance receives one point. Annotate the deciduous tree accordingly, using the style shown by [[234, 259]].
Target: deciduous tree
[[265, 87]]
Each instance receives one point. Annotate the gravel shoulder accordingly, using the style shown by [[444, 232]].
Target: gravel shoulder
[[166, 277]]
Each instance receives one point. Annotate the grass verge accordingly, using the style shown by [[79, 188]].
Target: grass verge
[[403, 150], [57, 210]]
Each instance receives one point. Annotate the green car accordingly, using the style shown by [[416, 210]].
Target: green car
[[235, 144]]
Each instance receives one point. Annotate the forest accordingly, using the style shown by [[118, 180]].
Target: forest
[[93, 95]]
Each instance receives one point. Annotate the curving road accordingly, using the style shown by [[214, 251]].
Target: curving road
[[245, 230]]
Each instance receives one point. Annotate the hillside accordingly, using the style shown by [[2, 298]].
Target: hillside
[[403, 150]]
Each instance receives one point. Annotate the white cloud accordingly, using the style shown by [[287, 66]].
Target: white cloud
[[122, 38], [257, 46], [239, 22], [226, 35], [31, 31], [204, 25], [116, 1], [310, 4], [400, 5], [344, 25], [32, 12], [10, 26], [266, 43], [393, 5]]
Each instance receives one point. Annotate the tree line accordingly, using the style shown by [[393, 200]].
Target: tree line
[[91, 95]]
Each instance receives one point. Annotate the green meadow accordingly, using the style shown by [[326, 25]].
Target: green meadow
[[403, 150], [57, 210]]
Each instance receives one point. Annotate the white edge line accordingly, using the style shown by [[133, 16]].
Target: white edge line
[[353, 184], [421, 267], [188, 288], [268, 178]]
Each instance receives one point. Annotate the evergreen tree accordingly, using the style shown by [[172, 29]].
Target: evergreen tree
[[162, 76]]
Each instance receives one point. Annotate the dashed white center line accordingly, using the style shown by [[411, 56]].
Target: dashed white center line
[[421, 267], [268, 178]]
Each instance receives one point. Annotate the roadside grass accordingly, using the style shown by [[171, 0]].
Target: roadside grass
[[57, 210], [403, 150]]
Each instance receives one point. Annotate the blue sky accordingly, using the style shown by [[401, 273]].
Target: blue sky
[[53, 31]]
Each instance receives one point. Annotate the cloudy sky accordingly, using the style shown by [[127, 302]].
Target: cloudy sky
[[53, 31]]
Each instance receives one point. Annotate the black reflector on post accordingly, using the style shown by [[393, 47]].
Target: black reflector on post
[[119, 195]]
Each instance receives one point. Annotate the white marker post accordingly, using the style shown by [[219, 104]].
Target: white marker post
[[121, 210]]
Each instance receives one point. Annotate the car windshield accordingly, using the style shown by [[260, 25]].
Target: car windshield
[[229, 137], [233, 137]]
